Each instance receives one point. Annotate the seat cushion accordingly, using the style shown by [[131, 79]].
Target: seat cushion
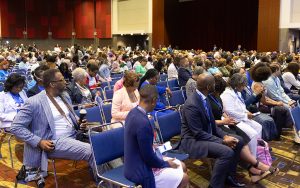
[[117, 174]]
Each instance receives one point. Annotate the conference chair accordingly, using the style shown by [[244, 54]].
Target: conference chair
[[177, 98], [162, 84], [106, 109], [173, 84], [296, 118], [163, 77], [107, 146], [168, 126], [93, 114], [108, 93]]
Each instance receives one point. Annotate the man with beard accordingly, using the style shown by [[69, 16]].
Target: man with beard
[[47, 124]]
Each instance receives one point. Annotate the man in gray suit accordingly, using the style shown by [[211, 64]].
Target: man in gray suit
[[46, 124]]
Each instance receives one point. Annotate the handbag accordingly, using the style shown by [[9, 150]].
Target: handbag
[[263, 152]]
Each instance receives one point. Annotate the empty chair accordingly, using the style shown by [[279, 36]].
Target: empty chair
[[107, 146], [296, 117], [173, 84], [177, 98], [104, 84]]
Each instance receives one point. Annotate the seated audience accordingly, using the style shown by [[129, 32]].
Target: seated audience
[[191, 84], [290, 77], [92, 80], [78, 90], [257, 170], [173, 68], [4, 66], [142, 165], [37, 76], [140, 69], [200, 137], [152, 77], [125, 98], [104, 71], [234, 107], [47, 124], [64, 69], [11, 99], [184, 74]]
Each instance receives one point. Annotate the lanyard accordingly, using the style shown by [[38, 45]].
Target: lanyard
[[216, 102], [241, 99]]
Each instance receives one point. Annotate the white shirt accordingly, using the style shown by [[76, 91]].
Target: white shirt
[[290, 80], [149, 66], [63, 127], [172, 71]]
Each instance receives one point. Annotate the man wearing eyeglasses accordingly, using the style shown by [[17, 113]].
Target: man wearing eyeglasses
[[47, 124]]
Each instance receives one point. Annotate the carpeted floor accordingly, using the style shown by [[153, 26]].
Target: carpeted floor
[[285, 153]]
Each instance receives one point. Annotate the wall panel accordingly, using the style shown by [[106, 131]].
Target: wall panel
[[103, 18], [84, 18]]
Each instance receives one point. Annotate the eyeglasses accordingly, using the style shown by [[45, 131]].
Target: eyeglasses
[[59, 80]]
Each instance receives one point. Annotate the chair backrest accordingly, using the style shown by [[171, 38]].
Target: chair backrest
[[93, 114], [109, 93], [107, 112], [104, 84], [107, 145], [163, 77], [296, 117], [173, 84], [163, 84], [169, 125], [177, 98]]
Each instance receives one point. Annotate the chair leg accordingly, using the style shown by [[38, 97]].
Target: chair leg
[[54, 172], [10, 152]]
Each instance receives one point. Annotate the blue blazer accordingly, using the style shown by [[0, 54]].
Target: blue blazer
[[139, 157]]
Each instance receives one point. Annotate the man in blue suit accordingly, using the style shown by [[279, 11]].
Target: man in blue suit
[[200, 137], [142, 165]]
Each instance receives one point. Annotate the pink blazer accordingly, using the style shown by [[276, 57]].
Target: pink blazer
[[121, 104]]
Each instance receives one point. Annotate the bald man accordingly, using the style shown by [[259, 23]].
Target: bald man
[[202, 138]]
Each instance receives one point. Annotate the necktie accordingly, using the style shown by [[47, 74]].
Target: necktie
[[206, 106]]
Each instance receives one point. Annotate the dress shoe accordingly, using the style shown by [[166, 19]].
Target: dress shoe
[[233, 182]]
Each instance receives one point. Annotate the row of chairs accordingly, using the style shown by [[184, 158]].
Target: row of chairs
[[109, 145]]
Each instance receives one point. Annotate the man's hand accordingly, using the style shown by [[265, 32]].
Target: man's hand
[[172, 164], [230, 141], [292, 103], [46, 145], [83, 124], [279, 103]]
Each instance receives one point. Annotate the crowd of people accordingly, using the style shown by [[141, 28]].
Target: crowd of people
[[233, 99]]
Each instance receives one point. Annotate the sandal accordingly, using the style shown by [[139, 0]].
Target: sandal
[[257, 177]]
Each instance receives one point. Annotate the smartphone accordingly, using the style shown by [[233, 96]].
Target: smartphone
[[256, 114]]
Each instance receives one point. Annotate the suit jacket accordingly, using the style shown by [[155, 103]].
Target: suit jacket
[[75, 93], [121, 104], [183, 76], [33, 123], [195, 124], [33, 91], [139, 156], [8, 108]]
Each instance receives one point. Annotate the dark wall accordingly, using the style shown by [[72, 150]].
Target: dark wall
[[200, 24]]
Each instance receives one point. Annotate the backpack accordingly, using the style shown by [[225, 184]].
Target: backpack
[[263, 152]]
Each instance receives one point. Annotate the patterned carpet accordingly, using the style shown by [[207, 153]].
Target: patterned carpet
[[285, 153]]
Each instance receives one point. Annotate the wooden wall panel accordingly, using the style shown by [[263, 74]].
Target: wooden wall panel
[[268, 25], [84, 18], [159, 34], [103, 18]]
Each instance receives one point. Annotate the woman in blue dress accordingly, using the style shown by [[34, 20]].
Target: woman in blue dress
[[152, 77]]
